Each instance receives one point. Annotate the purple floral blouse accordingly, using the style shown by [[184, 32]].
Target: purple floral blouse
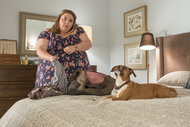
[[71, 62]]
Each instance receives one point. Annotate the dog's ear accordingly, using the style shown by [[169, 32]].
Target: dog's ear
[[114, 68], [132, 72]]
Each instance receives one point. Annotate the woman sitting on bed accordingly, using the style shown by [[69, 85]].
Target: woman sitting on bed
[[65, 41]]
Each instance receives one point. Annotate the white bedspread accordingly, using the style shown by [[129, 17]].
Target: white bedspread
[[95, 111]]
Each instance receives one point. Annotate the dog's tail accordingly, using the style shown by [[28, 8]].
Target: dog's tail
[[173, 92]]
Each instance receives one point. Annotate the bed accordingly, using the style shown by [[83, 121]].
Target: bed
[[96, 111]]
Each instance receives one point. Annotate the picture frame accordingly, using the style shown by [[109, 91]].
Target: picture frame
[[8, 46], [134, 57], [135, 22]]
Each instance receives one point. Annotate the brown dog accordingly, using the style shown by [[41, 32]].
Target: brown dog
[[125, 89]]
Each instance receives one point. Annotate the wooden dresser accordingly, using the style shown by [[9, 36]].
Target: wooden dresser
[[16, 81]]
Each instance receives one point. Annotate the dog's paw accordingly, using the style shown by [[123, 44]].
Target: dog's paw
[[109, 96]]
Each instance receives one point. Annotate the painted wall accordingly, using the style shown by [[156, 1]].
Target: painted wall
[[89, 12], [106, 18], [165, 17]]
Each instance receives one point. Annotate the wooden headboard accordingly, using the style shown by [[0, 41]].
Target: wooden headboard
[[173, 54]]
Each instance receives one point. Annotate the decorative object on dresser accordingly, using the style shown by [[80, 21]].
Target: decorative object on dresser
[[16, 81], [8, 46]]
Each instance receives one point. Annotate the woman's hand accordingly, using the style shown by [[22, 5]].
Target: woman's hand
[[69, 49], [53, 58]]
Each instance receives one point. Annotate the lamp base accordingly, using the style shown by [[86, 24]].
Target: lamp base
[[148, 73]]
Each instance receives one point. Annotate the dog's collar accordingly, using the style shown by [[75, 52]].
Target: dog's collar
[[118, 87]]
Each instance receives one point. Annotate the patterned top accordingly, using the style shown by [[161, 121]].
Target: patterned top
[[71, 62]]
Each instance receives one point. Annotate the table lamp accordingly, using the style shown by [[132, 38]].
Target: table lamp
[[147, 43]]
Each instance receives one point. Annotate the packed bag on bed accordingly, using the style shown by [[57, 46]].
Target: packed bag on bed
[[92, 83], [81, 82]]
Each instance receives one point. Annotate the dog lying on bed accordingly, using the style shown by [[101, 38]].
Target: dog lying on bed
[[125, 89]]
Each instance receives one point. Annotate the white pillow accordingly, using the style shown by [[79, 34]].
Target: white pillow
[[177, 78]]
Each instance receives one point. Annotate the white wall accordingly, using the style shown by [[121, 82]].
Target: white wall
[[89, 12], [106, 18], [116, 36], [169, 16]]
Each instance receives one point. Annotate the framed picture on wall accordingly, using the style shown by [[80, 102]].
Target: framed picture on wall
[[8, 46], [135, 22], [134, 57]]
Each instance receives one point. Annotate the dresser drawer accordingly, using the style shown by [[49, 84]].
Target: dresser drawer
[[16, 81], [15, 89], [18, 73], [6, 104]]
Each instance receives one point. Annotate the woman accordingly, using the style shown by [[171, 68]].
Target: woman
[[65, 41]]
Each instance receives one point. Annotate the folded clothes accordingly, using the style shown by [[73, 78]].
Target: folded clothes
[[57, 86], [188, 83], [59, 78]]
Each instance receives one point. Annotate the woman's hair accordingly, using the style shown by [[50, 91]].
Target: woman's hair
[[55, 28]]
